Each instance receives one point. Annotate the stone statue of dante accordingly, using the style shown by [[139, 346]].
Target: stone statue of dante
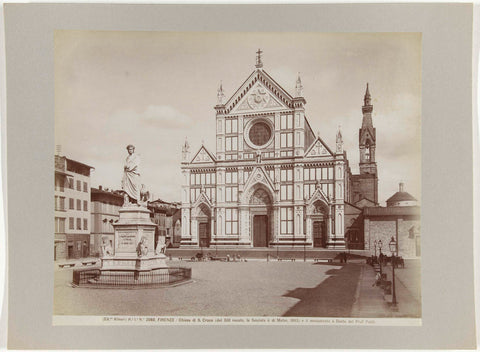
[[131, 177]]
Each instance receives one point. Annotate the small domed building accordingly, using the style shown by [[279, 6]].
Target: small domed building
[[399, 219]]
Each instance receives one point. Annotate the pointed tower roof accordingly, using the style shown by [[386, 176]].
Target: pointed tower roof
[[298, 87], [367, 98], [367, 109], [339, 135], [220, 94]]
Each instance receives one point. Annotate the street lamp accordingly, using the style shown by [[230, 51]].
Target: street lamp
[[393, 249], [380, 256]]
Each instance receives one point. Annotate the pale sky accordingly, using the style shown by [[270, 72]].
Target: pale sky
[[153, 89]]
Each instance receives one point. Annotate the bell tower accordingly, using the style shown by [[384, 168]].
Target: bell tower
[[367, 138], [367, 186]]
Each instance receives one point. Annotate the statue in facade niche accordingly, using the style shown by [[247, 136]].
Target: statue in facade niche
[[131, 184]]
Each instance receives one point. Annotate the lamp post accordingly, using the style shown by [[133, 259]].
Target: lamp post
[[375, 244], [393, 249], [380, 256]]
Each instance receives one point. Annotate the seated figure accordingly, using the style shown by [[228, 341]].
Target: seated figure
[[142, 249], [106, 247]]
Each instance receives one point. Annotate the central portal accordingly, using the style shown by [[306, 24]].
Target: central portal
[[260, 231]]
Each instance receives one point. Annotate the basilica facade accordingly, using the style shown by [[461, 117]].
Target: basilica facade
[[272, 181]]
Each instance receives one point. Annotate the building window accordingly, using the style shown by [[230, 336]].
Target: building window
[[85, 224], [85, 187], [286, 122], [71, 203], [260, 133], [286, 192], [231, 177], [286, 175], [70, 182], [231, 221], [71, 223], [286, 220], [231, 143], [59, 203], [231, 194], [231, 126], [59, 184], [79, 185], [79, 204], [79, 224], [85, 205], [59, 225], [286, 140]]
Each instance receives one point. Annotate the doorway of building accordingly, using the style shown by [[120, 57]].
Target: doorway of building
[[319, 239], [204, 234], [70, 251], [260, 231]]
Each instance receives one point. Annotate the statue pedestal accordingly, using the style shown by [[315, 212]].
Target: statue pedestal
[[133, 226]]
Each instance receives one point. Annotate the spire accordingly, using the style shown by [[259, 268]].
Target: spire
[[339, 141], [185, 150], [220, 94], [186, 146], [259, 63], [367, 99], [298, 87], [339, 135]]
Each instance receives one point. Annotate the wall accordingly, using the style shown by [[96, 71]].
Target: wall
[[383, 229]]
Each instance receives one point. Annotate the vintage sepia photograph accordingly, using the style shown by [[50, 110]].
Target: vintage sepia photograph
[[237, 178]]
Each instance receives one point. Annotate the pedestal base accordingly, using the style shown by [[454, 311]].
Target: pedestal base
[[127, 262]]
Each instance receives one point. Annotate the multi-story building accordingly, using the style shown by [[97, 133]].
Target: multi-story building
[[72, 208], [272, 181], [104, 212], [167, 218]]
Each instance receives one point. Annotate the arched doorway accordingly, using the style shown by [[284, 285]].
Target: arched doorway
[[319, 217], [261, 213], [203, 219]]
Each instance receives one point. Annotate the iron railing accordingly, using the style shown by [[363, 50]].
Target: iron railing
[[158, 277]]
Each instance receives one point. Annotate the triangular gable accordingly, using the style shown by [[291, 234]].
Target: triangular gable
[[258, 175], [248, 97], [202, 198], [258, 97], [318, 148], [203, 156], [318, 195]]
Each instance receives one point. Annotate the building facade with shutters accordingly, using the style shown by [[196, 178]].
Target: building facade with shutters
[[272, 181], [105, 204], [72, 208]]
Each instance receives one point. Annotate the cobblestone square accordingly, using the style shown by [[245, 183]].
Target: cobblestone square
[[253, 288]]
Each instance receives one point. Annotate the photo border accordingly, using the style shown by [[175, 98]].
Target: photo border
[[447, 290]]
